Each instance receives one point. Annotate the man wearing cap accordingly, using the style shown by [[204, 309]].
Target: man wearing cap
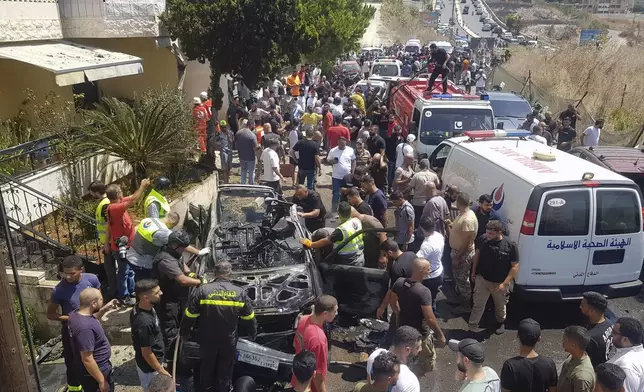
[[224, 141], [469, 362], [207, 103], [200, 117], [495, 264], [593, 305], [529, 371]]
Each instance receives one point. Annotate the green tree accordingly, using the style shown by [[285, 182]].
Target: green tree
[[336, 27], [514, 23], [156, 131], [253, 39]]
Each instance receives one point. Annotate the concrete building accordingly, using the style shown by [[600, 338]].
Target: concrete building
[[96, 47], [608, 6]]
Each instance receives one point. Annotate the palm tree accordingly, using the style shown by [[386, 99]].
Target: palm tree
[[154, 131]]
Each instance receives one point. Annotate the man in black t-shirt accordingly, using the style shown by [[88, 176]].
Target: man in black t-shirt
[[572, 114], [414, 302], [593, 305], [308, 161], [529, 371], [375, 143], [566, 135], [496, 263], [441, 58], [313, 210], [351, 180], [146, 333], [355, 199]]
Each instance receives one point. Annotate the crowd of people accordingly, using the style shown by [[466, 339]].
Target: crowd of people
[[442, 239]]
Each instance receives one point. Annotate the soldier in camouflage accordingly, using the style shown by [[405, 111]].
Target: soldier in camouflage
[[462, 234]]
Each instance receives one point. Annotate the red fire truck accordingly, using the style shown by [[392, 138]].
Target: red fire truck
[[435, 117]]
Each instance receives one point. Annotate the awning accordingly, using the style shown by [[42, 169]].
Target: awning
[[73, 63]]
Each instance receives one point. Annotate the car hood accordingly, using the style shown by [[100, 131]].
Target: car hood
[[277, 290], [510, 122]]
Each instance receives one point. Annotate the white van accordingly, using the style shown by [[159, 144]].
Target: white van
[[413, 46], [386, 67], [578, 226]]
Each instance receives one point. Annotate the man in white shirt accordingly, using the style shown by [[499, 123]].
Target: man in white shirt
[[336, 107], [591, 135], [405, 148], [432, 250], [271, 161], [480, 78], [536, 135], [407, 343], [627, 338], [343, 160], [257, 113]]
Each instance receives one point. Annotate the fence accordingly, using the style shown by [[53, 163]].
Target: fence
[[550, 102]]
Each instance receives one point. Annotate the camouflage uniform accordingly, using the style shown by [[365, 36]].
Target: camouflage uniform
[[461, 268], [426, 357]]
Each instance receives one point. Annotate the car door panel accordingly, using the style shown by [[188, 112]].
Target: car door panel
[[359, 290]]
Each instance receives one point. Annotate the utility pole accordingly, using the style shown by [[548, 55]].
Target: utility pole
[[14, 373]]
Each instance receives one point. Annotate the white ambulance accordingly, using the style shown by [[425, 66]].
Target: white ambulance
[[578, 226]]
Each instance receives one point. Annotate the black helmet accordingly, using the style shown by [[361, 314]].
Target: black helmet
[[161, 183], [179, 238]]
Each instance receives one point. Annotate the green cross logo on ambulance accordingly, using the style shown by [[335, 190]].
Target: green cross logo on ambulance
[[578, 226]]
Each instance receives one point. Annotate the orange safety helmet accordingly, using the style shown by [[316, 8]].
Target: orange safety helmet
[[466, 62]]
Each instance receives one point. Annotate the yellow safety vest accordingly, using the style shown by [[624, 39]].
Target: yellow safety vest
[[154, 196], [142, 241], [356, 245], [101, 223]]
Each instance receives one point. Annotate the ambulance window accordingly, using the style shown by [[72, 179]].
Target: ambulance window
[[565, 214], [617, 212]]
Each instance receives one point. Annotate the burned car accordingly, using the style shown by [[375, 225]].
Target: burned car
[[260, 235]]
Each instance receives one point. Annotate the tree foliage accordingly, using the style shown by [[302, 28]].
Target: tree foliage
[[514, 23], [256, 39], [153, 132], [250, 38], [335, 25]]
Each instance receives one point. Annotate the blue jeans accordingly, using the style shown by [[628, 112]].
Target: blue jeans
[[124, 277], [309, 175], [335, 198], [247, 169], [140, 273], [391, 173]]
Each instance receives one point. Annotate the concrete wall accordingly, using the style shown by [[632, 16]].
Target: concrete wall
[[36, 290], [17, 77], [116, 18], [159, 66], [52, 182], [32, 20], [198, 79]]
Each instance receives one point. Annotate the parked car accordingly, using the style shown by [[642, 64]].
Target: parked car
[[466, 9], [510, 109], [486, 27], [479, 11]]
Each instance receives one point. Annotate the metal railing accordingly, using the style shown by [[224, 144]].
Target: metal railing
[[45, 229], [25, 159]]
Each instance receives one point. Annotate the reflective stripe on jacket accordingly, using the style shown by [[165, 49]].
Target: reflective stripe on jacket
[[356, 245], [154, 196]]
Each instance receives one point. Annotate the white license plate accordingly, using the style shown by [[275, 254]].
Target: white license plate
[[258, 360]]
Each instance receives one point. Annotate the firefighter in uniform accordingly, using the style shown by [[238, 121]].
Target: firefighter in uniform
[[150, 237], [173, 276], [220, 306], [353, 252], [155, 204]]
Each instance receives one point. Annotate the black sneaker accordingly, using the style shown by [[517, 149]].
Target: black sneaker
[[501, 329], [129, 301]]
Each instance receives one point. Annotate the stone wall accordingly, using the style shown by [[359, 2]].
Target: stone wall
[[29, 20]]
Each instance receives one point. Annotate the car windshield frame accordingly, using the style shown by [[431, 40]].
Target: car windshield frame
[[238, 195], [350, 67], [430, 116], [386, 66], [412, 49], [513, 108]]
